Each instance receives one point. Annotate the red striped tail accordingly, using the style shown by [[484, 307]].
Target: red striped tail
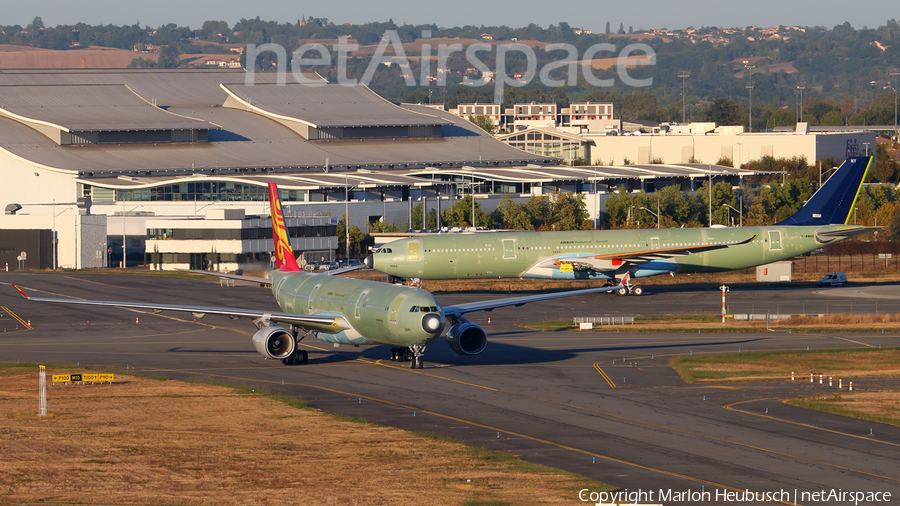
[[284, 254]]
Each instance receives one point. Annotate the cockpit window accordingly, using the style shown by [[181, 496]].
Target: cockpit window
[[423, 309], [384, 250]]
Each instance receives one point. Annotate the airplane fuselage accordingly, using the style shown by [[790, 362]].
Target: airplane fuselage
[[365, 312], [555, 255]]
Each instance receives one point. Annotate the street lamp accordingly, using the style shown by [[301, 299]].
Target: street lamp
[[823, 173], [750, 90], [125, 213], [854, 214], [683, 75], [629, 218], [740, 212], [801, 86], [656, 214]]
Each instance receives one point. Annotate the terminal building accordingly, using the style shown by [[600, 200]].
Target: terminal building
[[105, 166]]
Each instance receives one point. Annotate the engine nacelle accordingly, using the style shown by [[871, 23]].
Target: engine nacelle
[[274, 342], [467, 338]]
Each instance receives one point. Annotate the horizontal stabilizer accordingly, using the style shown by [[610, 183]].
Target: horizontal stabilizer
[[831, 234]]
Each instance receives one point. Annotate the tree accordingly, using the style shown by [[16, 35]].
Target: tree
[[511, 215], [621, 28], [168, 57], [36, 25], [725, 112], [607, 28], [484, 122]]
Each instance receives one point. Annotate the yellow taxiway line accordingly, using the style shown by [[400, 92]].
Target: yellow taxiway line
[[603, 374]]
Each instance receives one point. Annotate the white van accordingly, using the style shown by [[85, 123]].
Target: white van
[[833, 279]]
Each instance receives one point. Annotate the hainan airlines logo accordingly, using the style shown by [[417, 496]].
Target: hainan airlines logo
[[282, 246]]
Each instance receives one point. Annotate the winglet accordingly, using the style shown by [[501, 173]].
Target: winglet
[[284, 254], [20, 291]]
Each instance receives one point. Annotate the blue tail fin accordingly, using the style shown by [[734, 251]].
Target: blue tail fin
[[833, 203]]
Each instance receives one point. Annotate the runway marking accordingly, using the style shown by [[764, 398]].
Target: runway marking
[[865, 438], [476, 424], [852, 341], [603, 374], [14, 315]]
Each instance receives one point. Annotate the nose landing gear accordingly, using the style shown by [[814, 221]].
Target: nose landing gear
[[414, 355]]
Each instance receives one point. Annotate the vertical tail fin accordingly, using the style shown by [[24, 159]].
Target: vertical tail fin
[[833, 203], [284, 254]]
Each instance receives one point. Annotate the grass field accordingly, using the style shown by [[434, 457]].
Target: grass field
[[778, 365], [880, 406], [150, 441]]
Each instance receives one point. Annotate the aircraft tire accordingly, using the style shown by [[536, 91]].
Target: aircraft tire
[[622, 291], [393, 354], [304, 357], [638, 291]]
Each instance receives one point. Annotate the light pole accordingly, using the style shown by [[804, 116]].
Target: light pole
[[125, 213], [801, 86], [656, 214], [683, 75], [894, 73], [347, 218], [750, 90], [854, 214], [629, 218]]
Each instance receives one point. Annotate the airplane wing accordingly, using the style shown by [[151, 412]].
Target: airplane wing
[[615, 260], [267, 281], [489, 305], [328, 323]]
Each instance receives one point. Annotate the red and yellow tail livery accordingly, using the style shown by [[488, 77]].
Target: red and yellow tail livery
[[284, 254]]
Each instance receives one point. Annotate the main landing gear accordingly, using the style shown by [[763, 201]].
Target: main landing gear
[[414, 355], [630, 289], [299, 357]]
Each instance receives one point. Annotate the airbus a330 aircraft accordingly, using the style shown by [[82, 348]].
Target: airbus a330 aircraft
[[613, 254], [344, 310]]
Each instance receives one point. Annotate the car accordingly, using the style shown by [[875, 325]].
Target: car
[[311, 266], [354, 262], [328, 266], [833, 279]]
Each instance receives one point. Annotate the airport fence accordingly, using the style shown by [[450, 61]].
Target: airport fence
[[845, 263], [604, 320], [777, 310]]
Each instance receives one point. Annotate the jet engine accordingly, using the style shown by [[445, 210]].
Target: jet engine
[[274, 342], [467, 338]]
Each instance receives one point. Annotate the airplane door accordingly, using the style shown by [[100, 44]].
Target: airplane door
[[360, 301], [312, 296], [654, 243], [775, 240], [509, 249], [413, 252], [396, 307]]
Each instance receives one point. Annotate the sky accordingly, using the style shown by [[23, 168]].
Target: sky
[[591, 15]]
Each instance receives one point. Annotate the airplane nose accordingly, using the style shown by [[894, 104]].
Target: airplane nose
[[370, 261], [432, 323]]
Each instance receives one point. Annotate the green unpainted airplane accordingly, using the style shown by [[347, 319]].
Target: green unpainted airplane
[[613, 254], [343, 310]]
